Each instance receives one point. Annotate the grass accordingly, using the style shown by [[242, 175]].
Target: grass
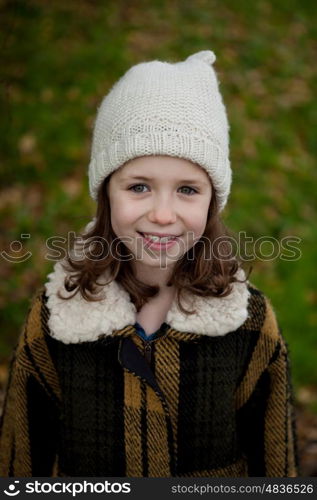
[[60, 58]]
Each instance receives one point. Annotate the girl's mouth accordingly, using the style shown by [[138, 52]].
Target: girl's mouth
[[157, 243]]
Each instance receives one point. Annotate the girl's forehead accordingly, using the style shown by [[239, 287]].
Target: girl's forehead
[[161, 166]]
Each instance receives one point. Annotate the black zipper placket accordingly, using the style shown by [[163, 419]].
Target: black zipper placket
[[148, 351], [149, 348]]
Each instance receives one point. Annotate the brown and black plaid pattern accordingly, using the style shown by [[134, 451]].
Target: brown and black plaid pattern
[[207, 406]]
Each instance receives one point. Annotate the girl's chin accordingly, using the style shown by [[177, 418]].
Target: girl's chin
[[156, 265]]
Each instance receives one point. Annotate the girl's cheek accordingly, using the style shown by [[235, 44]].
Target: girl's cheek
[[197, 218], [121, 208]]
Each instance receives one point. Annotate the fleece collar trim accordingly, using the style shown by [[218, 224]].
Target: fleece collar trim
[[77, 320]]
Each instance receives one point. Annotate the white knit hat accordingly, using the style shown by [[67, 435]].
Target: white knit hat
[[162, 108]]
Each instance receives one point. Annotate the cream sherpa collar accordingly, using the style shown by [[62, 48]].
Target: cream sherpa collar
[[77, 320]]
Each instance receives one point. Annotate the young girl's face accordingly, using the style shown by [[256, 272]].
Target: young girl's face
[[159, 195]]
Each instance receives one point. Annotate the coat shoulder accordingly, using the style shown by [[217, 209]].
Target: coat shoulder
[[32, 356], [261, 314], [35, 325]]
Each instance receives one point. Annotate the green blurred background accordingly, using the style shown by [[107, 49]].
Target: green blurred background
[[59, 58]]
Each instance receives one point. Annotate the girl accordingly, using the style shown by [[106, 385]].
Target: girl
[[148, 353]]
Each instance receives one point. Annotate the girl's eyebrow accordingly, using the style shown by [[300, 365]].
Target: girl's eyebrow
[[144, 178]]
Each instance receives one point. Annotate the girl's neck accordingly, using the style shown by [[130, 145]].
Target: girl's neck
[[154, 277]]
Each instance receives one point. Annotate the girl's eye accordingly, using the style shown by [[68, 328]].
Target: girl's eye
[[133, 188], [136, 190], [193, 191]]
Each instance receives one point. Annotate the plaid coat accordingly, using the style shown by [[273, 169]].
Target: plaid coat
[[187, 404]]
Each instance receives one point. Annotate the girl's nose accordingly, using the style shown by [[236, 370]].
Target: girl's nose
[[162, 214]]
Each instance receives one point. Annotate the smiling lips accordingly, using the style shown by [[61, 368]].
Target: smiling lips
[[159, 235], [157, 242], [162, 240]]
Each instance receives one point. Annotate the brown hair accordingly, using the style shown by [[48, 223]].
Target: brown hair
[[193, 273]]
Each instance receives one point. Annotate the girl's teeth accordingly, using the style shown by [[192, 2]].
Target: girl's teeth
[[164, 239]]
